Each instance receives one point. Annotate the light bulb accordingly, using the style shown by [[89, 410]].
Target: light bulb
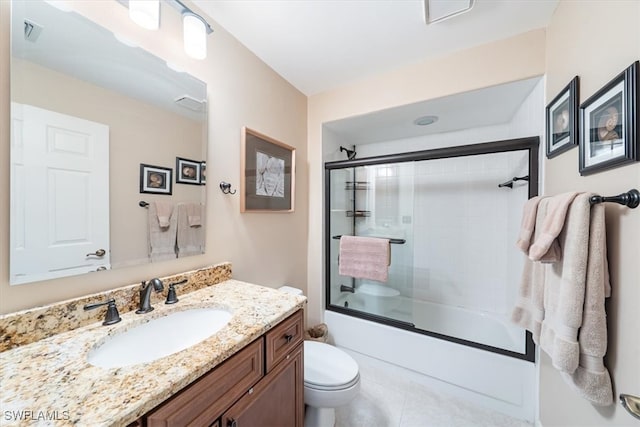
[[145, 13], [195, 36]]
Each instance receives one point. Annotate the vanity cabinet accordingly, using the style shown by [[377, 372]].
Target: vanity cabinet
[[261, 385]]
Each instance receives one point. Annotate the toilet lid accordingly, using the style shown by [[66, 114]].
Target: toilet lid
[[327, 366]]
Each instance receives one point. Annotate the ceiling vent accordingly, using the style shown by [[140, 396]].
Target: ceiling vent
[[32, 30], [190, 103], [440, 10]]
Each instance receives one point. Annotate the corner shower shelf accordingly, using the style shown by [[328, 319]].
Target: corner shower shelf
[[356, 185], [394, 241], [358, 214]]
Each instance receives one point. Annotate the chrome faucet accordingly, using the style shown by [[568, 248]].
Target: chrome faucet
[[145, 294]]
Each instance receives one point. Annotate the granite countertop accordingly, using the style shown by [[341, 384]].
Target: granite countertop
[[49, 382]]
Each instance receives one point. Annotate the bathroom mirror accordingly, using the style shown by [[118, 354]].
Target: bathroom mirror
[[88, 108]]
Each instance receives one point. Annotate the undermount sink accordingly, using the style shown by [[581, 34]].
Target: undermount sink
[[159, 337]]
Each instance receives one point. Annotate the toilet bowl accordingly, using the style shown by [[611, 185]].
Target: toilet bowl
[[331, 379]]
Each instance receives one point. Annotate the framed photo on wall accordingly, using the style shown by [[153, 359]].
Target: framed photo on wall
[[267, 181], [155, 179], [188, 171], [609, 135], [203, 173], [562, 120]]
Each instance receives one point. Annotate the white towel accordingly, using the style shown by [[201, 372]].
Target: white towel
[[190, 238], [364, 257], [162, 240]]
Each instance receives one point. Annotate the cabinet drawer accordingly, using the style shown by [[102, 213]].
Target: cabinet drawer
[[282, 339], [201, 403]]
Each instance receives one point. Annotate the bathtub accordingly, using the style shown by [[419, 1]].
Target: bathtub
[[491, 380]]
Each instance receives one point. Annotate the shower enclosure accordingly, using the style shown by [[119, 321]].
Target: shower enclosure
[[452, 217]]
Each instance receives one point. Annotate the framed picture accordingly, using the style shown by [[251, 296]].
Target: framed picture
[[187, 171], [268, 174], [609, 135], [562, 120], [203, 173], [155, 179]]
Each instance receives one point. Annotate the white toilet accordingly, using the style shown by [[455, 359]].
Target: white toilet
[[331, 379]]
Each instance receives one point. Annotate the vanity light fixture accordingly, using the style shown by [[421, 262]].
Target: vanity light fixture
[[146, 13]]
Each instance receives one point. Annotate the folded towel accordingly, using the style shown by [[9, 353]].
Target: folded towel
[[364, 257], [194, 214], [551, 227], [161, 240], [528, 223], [190, 239], [164, 211]]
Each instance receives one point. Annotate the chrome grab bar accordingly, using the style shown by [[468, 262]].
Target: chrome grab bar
[[631, 404]]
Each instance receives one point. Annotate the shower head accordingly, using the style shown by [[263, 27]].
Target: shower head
[[351, 154]]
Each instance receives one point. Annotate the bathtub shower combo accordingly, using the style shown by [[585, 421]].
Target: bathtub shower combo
[[452, 217]]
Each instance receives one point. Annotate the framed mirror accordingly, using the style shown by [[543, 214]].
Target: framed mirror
[[88, 108]]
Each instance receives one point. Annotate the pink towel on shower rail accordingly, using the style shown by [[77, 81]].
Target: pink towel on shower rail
[[364, 257]]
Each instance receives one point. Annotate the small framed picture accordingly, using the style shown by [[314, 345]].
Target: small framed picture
[[203, 173], [187, 171], [155, 179], [562, 120], [267, 179], [609, 129]]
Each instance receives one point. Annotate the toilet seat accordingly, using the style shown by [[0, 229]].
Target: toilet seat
[[328, 368]]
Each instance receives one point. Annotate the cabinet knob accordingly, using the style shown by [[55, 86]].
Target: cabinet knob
[[232, 423], [288, 337]]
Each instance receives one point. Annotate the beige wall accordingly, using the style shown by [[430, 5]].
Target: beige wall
[[268, 249], [504, 61], [596, 40], [156, 137]]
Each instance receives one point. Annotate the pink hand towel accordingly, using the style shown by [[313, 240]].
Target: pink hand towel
[[552, 225], [364, 258]]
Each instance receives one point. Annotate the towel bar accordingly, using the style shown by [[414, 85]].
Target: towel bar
[[394, 241], [512, 180], [631, 404], [630, 199], [143, 204]]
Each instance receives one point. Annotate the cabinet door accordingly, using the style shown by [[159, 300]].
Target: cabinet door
[[276, 401]]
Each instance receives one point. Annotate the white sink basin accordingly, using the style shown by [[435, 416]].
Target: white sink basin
[[159, 338]]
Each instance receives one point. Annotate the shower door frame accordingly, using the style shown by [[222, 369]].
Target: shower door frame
[[532, 144]]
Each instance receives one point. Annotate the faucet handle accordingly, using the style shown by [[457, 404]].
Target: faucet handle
[[112, 315], [172, 298]]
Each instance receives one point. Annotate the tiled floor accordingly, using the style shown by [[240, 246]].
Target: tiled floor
[[391, 397]]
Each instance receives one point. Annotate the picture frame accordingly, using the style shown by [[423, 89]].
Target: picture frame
[[155, 179], [609, 128], [188, 171], [561, 118], [267, 182], [203, 173]]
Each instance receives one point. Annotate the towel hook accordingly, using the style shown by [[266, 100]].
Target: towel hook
[[226, 188]]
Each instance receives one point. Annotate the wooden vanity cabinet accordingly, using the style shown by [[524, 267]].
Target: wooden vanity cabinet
[[260, 386]]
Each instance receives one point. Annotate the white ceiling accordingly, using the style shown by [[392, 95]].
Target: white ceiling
[[318, 45]]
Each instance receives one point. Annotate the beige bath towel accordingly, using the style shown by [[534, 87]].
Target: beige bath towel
[[190, 239], [591, 378], [528, 223], [573, 327], [194, 214], [551, 228], [162, 240], [164, 211], [364, 257]]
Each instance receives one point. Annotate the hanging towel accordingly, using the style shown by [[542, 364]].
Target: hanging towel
[[190, 239], [545, 246], [194, 214], [528, 223], [364, 257], [164, 211], [162, 240], [570, 322]]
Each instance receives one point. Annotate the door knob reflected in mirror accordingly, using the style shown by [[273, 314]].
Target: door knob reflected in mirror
[[103, 268], [98, 253]]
